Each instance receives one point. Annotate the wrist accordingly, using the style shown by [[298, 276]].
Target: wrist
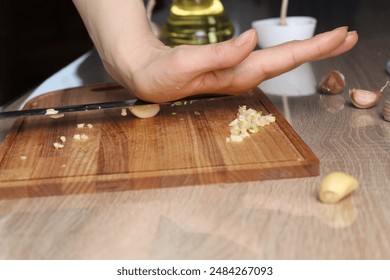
[[130, 55]]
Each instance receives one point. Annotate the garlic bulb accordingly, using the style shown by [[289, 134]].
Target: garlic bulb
[[333, 83], [364, 99]]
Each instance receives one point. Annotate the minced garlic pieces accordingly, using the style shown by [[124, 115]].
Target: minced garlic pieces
[[80, 136], [248, 120], [82, 125], [84, 137], [52, 113], [58, 145]]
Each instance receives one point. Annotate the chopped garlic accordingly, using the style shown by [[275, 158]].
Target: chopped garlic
[[123, 112], [80, 125], [57, 116], [58, 145], [23, 157], [84, 137], [89, 125], [63, 139], [196, 113], [51, 112], [248, 120], [177, 103]]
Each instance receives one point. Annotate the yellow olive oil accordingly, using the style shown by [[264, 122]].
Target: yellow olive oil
[[197, 22]]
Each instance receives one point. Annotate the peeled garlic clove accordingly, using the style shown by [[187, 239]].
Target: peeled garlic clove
[[386, 110], [335, 186], [145, 111], [364, 99], [333, 83]]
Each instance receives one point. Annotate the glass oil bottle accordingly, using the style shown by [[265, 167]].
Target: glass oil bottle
[[197, 22]]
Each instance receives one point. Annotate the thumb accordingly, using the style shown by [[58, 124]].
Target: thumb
[[221, 55]]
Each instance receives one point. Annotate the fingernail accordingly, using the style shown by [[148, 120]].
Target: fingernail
[[244, 38], [352, 32], [343, 27]]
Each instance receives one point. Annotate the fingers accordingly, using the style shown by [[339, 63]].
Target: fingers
[[206, 58], [350, 42], [270, 62], [232, 66], [284, 57]]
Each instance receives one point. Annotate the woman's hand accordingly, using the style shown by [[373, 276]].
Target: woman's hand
[[157, 73], [230, 67]]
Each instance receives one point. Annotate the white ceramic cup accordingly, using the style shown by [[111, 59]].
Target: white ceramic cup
[[270, 33], [300, 81]]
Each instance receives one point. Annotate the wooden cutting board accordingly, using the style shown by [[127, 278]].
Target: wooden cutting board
[[182, 145]]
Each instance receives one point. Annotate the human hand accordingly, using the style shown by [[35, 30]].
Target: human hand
[[135, 58], [230, 67]]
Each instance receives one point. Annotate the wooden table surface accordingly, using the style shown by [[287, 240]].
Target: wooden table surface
[[277, 219]]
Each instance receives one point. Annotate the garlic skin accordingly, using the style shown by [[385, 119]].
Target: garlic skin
[[333, 83], [364, 99]]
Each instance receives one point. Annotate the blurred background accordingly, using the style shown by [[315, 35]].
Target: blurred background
[[38, 38]]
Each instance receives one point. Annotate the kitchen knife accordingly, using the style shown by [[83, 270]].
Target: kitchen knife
[[99, 106]]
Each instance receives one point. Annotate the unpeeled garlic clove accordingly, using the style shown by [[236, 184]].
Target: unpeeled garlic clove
[[364, 99], [386, 110], [333, 83]]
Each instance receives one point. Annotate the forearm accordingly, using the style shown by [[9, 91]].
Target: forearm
[[117, 27]]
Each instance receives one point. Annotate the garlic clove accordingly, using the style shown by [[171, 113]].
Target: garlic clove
[[335, 186], [386, 110], [333, 83], [364, 99], [145, 111]]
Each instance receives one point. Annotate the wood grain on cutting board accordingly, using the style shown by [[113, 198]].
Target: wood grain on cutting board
[[182, 145]]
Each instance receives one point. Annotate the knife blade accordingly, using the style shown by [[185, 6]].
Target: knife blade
[[99, 106]]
